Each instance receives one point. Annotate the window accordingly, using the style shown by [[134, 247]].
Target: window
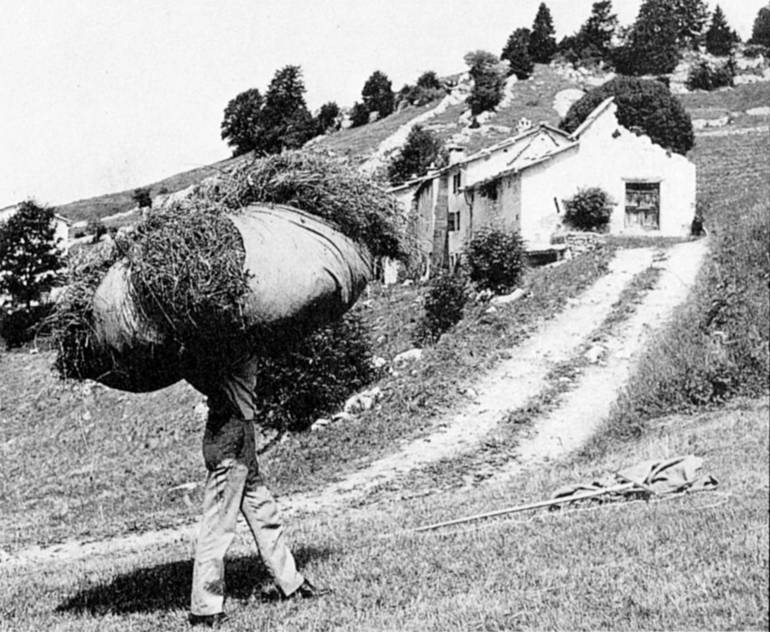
[[643, 204], [456, 182], [453, 221]]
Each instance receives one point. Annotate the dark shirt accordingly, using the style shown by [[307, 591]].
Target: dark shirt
[[229, 431]]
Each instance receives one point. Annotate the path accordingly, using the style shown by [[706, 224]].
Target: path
[[504, 389], [584, 409]]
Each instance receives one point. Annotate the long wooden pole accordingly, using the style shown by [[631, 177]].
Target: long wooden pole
[[542, 503]]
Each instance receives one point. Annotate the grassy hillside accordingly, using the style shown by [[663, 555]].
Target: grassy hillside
[[698, 562], [532, 99], [122, 201]]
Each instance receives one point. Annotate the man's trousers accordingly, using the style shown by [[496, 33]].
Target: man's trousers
[[230, 488]]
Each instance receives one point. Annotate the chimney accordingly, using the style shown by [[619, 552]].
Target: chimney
[[456, 154]]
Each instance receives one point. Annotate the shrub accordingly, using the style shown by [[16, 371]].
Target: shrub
[[304, 378], [21, 326], [444, 305], [589, 209], [752, 51], [142, 197], [496, 259], [704, 76], [642, 103], [96, 228]]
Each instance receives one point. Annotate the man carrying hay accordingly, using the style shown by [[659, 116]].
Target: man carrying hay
[[234, 484]]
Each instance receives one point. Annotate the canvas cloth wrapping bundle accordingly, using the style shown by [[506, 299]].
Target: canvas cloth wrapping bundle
[[300, 269]]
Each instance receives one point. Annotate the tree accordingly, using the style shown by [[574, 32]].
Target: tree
[[429, 81], [242, 124], [359, 115], [690, 19], [760, 33], [377, 94], [328, 117], [642, 103], [142, 197], [594, 39], [421, 150], [29, 254], [720, 38], [488, 74], [542, 44], [516, 53], [286, 122], [652, 46]]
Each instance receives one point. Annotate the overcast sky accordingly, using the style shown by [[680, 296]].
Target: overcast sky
[[105, 95]]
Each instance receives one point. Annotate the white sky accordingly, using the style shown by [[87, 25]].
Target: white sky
[[105, 95]]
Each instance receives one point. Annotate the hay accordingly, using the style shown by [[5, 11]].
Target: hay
[[71, 321], [359, 207], [186, 268], [187, 271]]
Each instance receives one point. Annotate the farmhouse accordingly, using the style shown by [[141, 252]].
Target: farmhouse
[[523, 181]]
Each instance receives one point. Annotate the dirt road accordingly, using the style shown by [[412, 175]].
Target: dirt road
[[499, 392]]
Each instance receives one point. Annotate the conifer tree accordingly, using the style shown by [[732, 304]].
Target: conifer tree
[[760, 33], [542, 43], [595, 36], [516, 53], [720, 38]]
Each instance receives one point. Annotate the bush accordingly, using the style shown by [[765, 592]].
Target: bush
[[589, 209], [96, 228], [304, 378], [21, 326], [704, 76], [642, 103], [444, 305], [752, 51], [496, 259]]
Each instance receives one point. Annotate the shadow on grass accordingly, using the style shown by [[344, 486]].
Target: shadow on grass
[[167, 586]]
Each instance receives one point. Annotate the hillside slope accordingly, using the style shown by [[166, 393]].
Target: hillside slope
[[534, 99]]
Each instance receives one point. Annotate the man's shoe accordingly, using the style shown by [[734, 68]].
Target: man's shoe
[[208, 620], [309, 591]]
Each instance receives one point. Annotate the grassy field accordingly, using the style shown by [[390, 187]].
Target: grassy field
[[697, 562], [89, 462]]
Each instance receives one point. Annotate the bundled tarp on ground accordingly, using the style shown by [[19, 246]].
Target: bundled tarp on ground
[[212, 276]]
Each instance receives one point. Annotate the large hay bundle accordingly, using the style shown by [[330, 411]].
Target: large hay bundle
[[201, 281]]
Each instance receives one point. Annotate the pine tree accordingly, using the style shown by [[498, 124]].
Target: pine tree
[[720, 38], [595, 36], [516, 53], [652, 45], [690, 18], [760, 33], [542, 43], [286, 121]]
